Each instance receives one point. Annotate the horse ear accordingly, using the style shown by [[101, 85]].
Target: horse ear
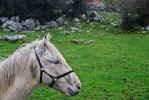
[[47, 37]]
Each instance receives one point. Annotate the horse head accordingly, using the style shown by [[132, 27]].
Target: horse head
[[54, 70]]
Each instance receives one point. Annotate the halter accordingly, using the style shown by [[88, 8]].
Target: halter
[[42, 70]]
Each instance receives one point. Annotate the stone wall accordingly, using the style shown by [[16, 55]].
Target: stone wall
[[41, 9]]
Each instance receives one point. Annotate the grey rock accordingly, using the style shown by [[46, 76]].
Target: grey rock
[[147, 28], [84, 17], [37, 23], [44, 26], [75, 29], [76, 20], [3, 19], [39, 27], [143, 32], [52, 24], [77, 41], [12, 26], [60, 28], [13, 37], [65, 22], [102, 26], [89, 41], [87, 31], [6, 30], [94, 16], [114, 24], [15, 18], [16, 27], [66, 33], [29, 24], [26, 31], [61, 20]]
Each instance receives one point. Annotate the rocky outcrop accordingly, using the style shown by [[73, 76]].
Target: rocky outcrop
[[43, 10]]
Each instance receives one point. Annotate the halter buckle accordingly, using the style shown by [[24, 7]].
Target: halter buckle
[[42, 69], [55, 79]]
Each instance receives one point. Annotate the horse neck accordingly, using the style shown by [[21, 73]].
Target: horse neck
[[17, 76]]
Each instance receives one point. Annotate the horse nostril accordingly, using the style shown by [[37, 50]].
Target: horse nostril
[[78, 87]]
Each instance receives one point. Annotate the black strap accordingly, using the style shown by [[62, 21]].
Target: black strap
[[41, 67], [63, 75], [58, 77], [42, 70]]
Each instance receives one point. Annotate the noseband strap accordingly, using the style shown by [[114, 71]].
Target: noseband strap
[[42, 70]]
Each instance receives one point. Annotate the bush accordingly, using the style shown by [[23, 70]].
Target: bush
[[77, 8], [135, 13], [113, 5]]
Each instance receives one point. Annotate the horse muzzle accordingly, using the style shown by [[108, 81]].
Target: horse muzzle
[[74, 90]]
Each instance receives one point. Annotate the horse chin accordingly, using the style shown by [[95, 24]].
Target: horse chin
[[70, 92], [67, 91]]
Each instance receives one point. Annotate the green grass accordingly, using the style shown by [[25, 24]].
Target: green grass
[[114, 67]]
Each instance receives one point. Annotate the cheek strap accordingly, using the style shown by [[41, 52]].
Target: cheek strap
[[42, 70]]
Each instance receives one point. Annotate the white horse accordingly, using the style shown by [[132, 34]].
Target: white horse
[[36, 63]]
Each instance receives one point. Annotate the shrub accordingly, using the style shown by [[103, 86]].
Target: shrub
[[113, 5], [135, 13]]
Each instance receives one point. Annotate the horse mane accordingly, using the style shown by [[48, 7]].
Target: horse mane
[[13, 65]]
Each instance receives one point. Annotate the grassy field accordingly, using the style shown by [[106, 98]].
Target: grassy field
[[114, 67]]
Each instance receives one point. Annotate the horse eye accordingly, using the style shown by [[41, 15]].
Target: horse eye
[[57, 62]]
